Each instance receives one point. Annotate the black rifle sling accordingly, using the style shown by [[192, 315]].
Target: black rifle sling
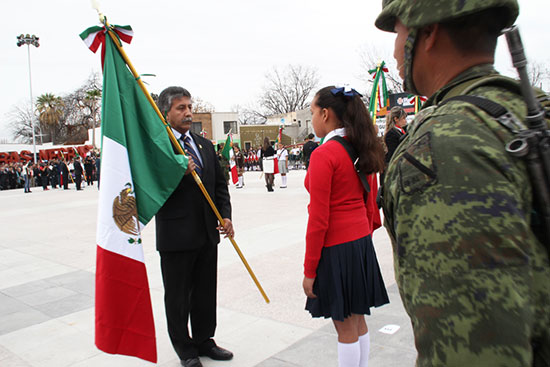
[[354, 159], [495, 110]]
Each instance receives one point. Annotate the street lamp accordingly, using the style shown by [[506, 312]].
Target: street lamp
[[30, 40]]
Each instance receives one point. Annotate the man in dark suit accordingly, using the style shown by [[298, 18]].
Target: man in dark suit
[[78, 171], [65, 175], [187, 234]]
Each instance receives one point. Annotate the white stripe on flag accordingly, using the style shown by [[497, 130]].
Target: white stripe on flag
[[115, 174]]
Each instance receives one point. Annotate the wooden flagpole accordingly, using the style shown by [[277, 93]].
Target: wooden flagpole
[[376, 103], [178, 147]]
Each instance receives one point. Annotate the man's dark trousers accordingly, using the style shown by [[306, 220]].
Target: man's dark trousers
[[190, 272]]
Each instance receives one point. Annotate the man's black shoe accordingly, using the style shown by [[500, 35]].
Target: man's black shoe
[[191, 362], [217, 353]]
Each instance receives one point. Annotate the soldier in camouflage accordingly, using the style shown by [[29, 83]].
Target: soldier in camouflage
[[473, 278]]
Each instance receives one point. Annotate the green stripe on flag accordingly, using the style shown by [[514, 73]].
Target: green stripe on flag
[[129, 119]]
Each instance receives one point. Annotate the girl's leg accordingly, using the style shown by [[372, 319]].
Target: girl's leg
[[352, 333], [364, 341]]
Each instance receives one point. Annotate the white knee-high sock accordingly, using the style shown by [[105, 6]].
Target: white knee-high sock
[[349, 354], [364, 342], [284, 180]]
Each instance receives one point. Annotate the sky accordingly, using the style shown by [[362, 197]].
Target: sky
[[219, 50]]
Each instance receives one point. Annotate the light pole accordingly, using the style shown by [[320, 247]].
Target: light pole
[[30, 40]]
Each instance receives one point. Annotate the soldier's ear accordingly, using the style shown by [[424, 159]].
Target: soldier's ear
[[429, 35]]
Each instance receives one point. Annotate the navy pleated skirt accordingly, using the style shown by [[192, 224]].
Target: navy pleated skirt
[[348, 281]]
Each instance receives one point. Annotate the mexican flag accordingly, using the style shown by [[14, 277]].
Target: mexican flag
[[227, 152], [136, 157]]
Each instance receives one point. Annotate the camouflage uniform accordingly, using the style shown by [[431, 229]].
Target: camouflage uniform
[[472, 276]]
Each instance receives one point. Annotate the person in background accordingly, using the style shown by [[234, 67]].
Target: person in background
[[44, 174], [282, 159], [395, 130], [308, 148], [239, 162], [27, 172], [89, 170], [78, 172], [97, 164], [268, 161]]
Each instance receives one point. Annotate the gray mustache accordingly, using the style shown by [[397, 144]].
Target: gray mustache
[[188, 119]]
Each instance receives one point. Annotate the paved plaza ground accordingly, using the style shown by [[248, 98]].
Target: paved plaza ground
[[47, 264]]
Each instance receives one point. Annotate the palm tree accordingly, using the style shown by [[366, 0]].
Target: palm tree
[[92, 96], [50, 109]]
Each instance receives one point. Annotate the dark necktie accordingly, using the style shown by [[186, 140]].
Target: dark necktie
[[191, 151]]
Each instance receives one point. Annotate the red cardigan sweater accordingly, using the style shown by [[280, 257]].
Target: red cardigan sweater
[[338, 212]]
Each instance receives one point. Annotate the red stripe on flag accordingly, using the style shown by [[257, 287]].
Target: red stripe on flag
[[234, 174], [123, 313]]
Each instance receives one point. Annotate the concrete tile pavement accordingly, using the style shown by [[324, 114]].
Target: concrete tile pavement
[[47, 264]]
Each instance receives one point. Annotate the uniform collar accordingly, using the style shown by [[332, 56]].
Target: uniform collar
[[474, 72], [340, 132]]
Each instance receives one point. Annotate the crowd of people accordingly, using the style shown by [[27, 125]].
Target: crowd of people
[[54, 173], [263, 157], [251, 159]]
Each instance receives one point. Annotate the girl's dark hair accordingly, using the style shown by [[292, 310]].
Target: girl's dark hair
[[267, 144], [355, 118]]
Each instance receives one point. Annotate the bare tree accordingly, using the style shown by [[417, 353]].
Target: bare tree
[[73, 114], [370, 57], [249, 115], [287, 89], [539, 74], [200, 105], [20, 119]]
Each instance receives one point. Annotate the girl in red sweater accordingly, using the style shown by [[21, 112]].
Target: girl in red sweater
[[342, 279]]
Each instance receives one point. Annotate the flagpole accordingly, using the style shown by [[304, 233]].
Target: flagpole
[[376, 103], [175, 143]]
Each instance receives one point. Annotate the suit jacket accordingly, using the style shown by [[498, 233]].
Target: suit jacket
[[392, 140], [186, 220], [77, 168]]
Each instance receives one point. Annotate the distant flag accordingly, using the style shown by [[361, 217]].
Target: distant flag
[[417, 101], [76, 153], [136, 154], [379, 98], [228, 153], [279, 138]]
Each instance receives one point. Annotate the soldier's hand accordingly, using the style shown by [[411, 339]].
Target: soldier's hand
[[190, 165], [308, 287], [227, 228]]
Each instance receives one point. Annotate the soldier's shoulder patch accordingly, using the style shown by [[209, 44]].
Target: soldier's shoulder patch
[[417, 168]]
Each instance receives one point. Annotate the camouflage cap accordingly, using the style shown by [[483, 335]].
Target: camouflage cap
[[419, 13]]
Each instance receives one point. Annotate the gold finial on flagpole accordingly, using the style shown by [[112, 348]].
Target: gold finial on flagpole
[[95, 5]]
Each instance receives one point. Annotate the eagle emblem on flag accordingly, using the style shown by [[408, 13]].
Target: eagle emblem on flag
[[125, 211]]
